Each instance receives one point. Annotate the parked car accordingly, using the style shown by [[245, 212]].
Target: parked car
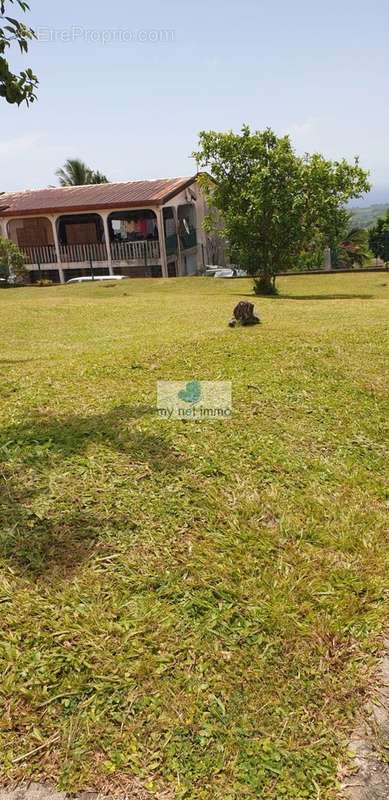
[[210, 270], [230, 272], [225, 272], [98, 278]]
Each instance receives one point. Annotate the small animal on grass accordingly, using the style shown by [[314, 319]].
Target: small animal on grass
[[244, 315]]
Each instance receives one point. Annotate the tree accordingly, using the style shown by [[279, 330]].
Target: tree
[[76, 173], [379, 239], [12, 262], [15, 88], [98, 177], [354, 248], [274, 203]]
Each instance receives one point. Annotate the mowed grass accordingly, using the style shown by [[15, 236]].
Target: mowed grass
[[190, 609]]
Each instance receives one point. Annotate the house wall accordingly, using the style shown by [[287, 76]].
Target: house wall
[[191, 195], [187, 260]]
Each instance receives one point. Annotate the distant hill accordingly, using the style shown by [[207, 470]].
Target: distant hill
[[365, 217]]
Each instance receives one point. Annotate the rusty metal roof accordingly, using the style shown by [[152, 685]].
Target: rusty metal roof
[[86, 198]]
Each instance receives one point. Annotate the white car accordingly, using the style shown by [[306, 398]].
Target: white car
[[230, 272], [225, 273], [210, 270], [98, 278]]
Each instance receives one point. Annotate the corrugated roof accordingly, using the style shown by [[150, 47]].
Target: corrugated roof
[[85, 198]]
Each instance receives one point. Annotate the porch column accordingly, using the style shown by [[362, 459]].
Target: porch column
[[162, 242], [104, 217], [180, 261], [53, 221], [199, 210]]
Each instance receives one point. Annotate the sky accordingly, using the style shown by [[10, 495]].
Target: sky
[[127, 85]]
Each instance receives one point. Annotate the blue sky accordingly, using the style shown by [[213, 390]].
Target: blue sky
[[131, 108]]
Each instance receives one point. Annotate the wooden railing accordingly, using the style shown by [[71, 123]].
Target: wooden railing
[[42, 254], [135, 251], [83, 252], [146, 252]]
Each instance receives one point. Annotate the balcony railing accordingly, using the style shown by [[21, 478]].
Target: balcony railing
[[147, 251], [71, 253], [135, 251], [43, 254]]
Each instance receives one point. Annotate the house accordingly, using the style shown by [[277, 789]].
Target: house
[[141, 229]]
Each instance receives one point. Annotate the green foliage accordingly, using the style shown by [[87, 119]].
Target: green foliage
[[379, 239], [312, 257], [15, 88], [12, 262], [354, 249], [76, 173], [97, 177], [274, 203]]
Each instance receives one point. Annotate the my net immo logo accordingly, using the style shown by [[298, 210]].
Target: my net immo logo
[[194, 400]]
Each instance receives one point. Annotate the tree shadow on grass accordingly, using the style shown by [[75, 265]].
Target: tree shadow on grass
[[324, 297], [68, 435], [53, 546], [42, 538], [307, 296]]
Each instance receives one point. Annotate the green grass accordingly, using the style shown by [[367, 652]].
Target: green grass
[[192, 608]]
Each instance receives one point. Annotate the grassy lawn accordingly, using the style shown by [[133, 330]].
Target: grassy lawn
[[191, 608]]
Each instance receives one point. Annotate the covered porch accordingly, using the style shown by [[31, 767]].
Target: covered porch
[[145, 228], [72, 244], [136, 242]]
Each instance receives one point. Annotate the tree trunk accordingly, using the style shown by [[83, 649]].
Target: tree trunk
[[265, 284]]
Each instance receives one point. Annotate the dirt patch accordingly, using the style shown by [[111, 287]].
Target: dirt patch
[[39, 791], [370, 745]]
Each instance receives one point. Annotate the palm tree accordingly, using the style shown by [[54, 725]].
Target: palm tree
[[76, 173], [354, 248], [97, 177]]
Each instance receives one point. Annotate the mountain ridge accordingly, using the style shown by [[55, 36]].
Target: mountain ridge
[[367, 216]]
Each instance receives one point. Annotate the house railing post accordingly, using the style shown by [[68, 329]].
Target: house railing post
[[53, 221], [180, 260], [146, 264], [162, 243], [104, 217]]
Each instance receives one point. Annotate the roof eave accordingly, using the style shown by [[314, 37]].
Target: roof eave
[[178, 190], [6, 211]]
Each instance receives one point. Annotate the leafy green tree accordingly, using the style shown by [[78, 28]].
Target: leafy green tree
[[76, 173], [15, 88], [354, 248], [274, 203], [12, 262], [379, 239]]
